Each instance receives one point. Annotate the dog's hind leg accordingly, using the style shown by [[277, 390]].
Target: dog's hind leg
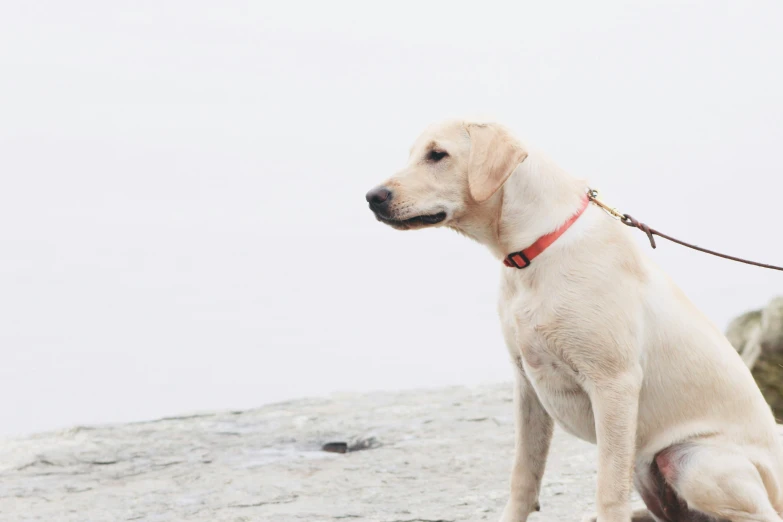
[[719, 481]]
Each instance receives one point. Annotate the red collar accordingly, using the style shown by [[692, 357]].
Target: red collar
[[523, 258]]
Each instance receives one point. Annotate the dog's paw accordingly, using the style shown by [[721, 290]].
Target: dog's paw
[[516, 512], [593, 517]]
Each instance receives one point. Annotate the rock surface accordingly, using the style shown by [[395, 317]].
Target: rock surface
[[758, 337], [434, 455]]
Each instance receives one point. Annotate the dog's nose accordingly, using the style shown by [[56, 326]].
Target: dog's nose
[[378, 196]]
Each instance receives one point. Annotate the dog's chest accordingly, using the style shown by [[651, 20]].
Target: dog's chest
[[532, 338]]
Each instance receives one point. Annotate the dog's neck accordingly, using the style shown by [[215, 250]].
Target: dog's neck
[[535, 200]]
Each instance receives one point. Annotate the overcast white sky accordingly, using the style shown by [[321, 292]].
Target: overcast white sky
[[182, 214]]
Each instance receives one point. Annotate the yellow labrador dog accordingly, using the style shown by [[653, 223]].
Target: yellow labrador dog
[[602, 341]]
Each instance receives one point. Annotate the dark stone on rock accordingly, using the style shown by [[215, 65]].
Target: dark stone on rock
[[356, 445], [335, 447]]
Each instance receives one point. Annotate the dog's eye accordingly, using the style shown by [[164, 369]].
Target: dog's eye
[[436, 155]]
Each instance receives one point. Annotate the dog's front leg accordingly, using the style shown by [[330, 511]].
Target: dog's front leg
[[534, 429], [615, 402]]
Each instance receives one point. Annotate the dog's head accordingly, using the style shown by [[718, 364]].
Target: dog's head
[[452, 167]]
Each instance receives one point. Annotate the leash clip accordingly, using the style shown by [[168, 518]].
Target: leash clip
[[592, 194]]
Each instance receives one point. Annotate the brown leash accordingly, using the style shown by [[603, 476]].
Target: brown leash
[[628, 220]]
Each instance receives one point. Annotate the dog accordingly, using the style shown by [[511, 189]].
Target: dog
[[601, 341]]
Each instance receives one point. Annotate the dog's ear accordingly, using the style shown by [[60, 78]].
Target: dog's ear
[[494, 154]]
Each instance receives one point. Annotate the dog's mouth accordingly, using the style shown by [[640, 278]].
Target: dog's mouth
[[423, 220]]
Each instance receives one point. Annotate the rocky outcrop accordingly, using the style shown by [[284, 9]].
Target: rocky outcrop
[[758, 337]]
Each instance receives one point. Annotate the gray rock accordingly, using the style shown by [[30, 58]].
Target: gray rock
[[430, 455]]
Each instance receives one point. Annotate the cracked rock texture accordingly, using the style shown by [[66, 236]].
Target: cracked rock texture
[[434, 455]]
